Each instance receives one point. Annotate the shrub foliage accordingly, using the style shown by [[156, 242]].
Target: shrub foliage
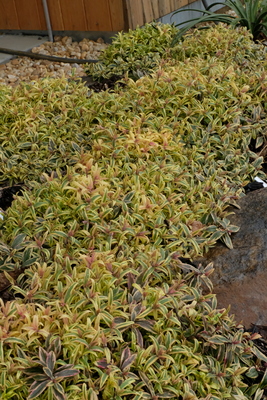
[[123, 184]]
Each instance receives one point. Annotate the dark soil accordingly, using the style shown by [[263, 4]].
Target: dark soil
[[103, 83], [7, 195]]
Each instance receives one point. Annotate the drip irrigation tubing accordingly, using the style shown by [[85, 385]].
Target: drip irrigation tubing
[[46, 57]]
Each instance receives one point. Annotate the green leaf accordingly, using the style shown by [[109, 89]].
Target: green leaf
[[55, 346], [58, 392], [218, 339], [252, 373], [59, 234], [258, 394], [128, 198], [259, 142], [29, 261], [48, 372], [37, 388], [216, 235], [263, 383], [76, 147], [15, 340], [258, 162], [128, 383], [146, 324], [124, 325], [42, 356], [17, 242], [50, 361], [165, 395], [103, 380], [150, 362], [258, 354], [66, 373], [227, 240]]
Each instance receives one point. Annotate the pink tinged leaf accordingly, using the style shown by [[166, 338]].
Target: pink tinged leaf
[[51, 360], [39, 377], [56, 346], [147, 382], [102, 363], [33, 370], [42, 356], [131, 280], [119, 320], [165, 395], [138, 308], [137, 296], [63, 367], [259, 354], [58, 392], [146, 324], [49, 373], [139, 337], [218, 339], [136, 311], [66, 373], [37, 388], [128, 362], [189, 268], [125, 354]]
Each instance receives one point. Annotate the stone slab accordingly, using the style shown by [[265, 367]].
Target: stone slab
[[240, 275], [19, 42]]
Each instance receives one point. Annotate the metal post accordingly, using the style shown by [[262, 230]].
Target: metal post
[[47, 19]]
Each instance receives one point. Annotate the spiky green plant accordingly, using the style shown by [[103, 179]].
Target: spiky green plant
[[251, 14]]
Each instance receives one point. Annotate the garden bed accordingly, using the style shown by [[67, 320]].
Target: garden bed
[[122, 185]]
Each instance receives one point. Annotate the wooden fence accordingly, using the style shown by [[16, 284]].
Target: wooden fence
[[84, 15], [142, 11], [65, 15]]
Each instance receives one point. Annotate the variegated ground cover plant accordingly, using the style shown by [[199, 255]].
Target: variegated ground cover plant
[[105, 309], [40, 128], [136, 52]]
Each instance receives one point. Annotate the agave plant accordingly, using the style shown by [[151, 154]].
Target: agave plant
[[252, 15]]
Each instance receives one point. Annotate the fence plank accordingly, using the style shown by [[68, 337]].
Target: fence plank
[[56, 17], [148, 11], [179, 4], [164, 7], [42, 20], [116, 10], [98, 15], [28, 15], [141, 11], [155, 6], [84, 15], [8, 15], [73, 15], [135, 13]]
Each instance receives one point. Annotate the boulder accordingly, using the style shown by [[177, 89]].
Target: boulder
[[240, 276]]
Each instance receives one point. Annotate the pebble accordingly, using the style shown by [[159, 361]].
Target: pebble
[[26, 69]]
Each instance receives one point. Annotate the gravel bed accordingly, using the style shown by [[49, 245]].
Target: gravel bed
[[27, 69]]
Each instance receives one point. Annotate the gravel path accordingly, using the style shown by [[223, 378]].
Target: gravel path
[[26, 69]]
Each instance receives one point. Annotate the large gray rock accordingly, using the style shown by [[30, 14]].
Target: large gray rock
[[240, 276]]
